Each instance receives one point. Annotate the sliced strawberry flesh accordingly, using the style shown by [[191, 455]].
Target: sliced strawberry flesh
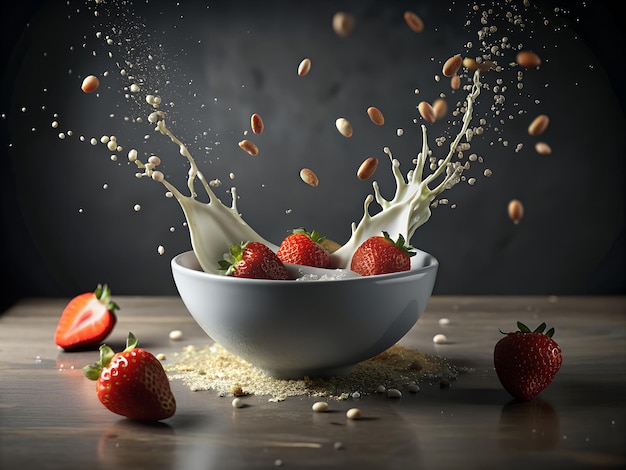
[[85, 321]]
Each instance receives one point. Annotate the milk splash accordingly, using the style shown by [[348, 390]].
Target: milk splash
[[213, 226]]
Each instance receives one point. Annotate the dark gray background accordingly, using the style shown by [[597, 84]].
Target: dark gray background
[[62, 233]]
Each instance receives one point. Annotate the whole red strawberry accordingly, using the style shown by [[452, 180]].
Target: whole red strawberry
[[132, 383], [302, 247], [381, 255], [253, 260], [527, 361], [86, 320]]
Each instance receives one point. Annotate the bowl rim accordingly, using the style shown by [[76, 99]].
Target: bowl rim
[[176, 263]]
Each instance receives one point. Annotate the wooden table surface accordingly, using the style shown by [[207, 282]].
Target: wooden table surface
[[50, 416]]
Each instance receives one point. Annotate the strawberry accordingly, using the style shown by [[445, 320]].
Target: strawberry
[[527, 361], [132, 383], [86, 320], [381, 255], [302, 247], [253, 260]]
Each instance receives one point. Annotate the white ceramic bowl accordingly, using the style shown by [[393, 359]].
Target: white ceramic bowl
[[291, 329]]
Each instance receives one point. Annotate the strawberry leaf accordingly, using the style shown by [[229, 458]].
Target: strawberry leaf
[[401, 243], [313, 235], [540, 329], [103, 294], [92, 372], [131, 342], [234, 255]]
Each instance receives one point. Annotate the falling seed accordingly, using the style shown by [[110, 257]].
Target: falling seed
[[485, 66], [543, 148], [376, 116], [90, 84], [539, 125], [528, 59], [343, 24], [249, 147], [304, 67], [427, 111], [516, 210], [440, 107], [470, 64], [455, 82], [367, 168], [344, 127], [414, 21], [452, 65], [309, 177], [256, 123]]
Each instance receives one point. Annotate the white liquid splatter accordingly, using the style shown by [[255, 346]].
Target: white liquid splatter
[[213, 227]]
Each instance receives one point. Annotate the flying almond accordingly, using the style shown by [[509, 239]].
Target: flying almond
[[427, 111], [304, 67], [470, 64], [90, 84], [542, 148], [343, 23], [344, 127], [256, 123], [414, 21], [376, 116], [539, 125], [309, 177], [455, 82], [367, 168], [452, 65], [528, 59], [516, 210], [249, 147], [440, 107]]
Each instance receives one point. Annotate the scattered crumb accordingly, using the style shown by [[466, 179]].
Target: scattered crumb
[[214, 368], [440, 339], [176, 335]]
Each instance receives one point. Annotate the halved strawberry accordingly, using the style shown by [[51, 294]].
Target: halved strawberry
[[86, 320]]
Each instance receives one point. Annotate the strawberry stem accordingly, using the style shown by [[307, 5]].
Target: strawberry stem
[[92, 372]]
